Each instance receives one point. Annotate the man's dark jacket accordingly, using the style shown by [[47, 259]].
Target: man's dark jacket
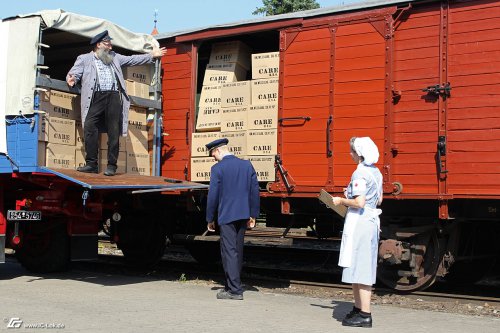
[[233, 192]]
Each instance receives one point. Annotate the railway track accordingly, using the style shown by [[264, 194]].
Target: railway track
[[301, 271]]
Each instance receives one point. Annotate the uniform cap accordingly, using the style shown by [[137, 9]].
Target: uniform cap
[[216, 144], [103, 36]]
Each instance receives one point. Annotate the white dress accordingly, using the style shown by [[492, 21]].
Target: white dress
[[359, 247]]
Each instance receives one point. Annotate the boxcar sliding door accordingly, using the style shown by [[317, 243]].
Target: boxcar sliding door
[[177, 110], [304, 108], [417, 122], [473, 112]]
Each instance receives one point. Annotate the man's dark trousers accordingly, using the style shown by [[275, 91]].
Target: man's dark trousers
[[106, 108], [231, 250]]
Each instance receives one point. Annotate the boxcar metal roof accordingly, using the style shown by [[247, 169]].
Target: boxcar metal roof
[[289, 16]]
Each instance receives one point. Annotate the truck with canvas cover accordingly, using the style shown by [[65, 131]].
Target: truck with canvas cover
[[49, 213]]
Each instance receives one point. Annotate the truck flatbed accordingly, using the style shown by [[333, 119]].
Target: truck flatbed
[[123, 181]]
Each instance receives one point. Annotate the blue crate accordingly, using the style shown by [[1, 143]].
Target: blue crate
[[22, 144]]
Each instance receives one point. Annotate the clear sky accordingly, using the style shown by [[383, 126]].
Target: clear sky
[[138, 15]]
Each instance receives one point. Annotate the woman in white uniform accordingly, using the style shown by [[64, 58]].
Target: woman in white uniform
[[359, 247]]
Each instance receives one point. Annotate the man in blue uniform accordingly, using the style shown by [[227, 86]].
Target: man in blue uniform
[[234, 196]]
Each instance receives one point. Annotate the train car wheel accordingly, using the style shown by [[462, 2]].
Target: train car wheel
[[45, 248], [419, 271], [142, 241]]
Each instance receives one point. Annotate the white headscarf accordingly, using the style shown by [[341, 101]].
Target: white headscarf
[[366, 148]]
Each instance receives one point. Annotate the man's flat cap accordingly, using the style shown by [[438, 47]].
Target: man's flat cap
[[103, 36], [216, 144]]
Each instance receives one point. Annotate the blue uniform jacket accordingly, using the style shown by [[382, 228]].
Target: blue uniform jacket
[[233, 192]]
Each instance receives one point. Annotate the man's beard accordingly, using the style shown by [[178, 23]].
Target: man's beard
[[104, 55]]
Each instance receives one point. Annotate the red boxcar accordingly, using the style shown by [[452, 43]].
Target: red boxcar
[[421, 78]]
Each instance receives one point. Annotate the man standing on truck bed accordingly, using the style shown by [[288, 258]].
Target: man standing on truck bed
[[104, 100], [234, 195]]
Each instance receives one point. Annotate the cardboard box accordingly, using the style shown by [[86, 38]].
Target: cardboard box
[[200, 168], [237, 142], [62, 131], [103, 142], [264, 167], [230, 52], [121, 163], [208, 119], [236, 94], [265, 65], [141, 74], [210, 96], [265, 91], [263, 116], [262, 142], [199, 140], [43, 128], [80, 157], [222, 73], [79, 136], [60, 104], [42, 146], [137, 116], [234, 119], [137, 89], [138, 163], [60, 156], [137, 134]]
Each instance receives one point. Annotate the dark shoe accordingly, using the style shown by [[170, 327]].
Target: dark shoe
[[353, 312], [357, 321], [110, 170], [222, 294], [87, 169]]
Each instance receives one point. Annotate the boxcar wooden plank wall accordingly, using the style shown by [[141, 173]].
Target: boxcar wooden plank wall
[[474, 107], [358, 88], [177, 102], [415, 115], [306, 94]]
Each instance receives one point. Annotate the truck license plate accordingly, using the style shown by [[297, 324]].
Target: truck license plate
[[24, 215]]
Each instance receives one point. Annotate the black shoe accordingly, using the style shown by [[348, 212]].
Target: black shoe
[[353, 312], [222, 294], [110, 170], [87, 169], [357, 321]]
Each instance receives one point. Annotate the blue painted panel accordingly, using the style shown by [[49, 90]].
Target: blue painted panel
[[22, 144]]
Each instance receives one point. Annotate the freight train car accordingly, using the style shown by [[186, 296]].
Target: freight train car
[[421, 78]]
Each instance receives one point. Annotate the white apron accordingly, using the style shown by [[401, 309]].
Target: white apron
[[351, 220]]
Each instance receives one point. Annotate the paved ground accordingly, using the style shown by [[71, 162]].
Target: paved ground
[[97, 302]]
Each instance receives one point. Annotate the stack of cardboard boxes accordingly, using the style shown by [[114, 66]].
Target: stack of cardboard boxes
[[57, 129], [227, 68], [262, 141], [61, 140], [247, 116]]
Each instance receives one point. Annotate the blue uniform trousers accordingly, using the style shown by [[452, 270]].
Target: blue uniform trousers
[[231, 250]]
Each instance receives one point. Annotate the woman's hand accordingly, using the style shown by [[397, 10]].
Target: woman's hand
[[337, 200]]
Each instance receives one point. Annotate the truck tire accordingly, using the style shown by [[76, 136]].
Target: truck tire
[[205, 252], [45, 248], [142, 244]]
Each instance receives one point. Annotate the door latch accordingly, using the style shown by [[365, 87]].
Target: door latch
[[441, 151], [439, 90]]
